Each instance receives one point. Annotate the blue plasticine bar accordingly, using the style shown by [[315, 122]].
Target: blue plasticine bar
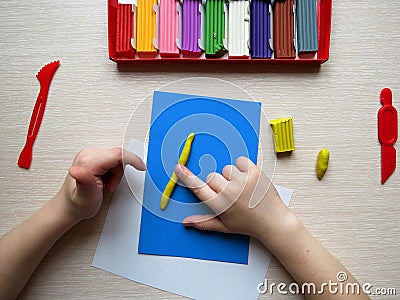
[[260, 29], [307, 27]]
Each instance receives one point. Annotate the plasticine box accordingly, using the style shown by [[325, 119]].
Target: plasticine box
[[219, 31]]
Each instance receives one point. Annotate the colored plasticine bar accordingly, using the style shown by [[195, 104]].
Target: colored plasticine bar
[[260, 29], [168, 28], [283, 16], [191, 26], [146, 26], [124, 30], [307, 27], [239, 28], [214, 27]]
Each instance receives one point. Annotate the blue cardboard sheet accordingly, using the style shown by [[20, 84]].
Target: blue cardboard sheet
[[224, 130]]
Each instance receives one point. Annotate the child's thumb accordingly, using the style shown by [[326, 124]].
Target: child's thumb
[[85, 182], [205, 222]]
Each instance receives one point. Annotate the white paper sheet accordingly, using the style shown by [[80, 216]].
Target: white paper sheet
[[197, 279]]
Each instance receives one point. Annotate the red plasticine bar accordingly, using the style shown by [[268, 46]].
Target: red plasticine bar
[[124, 33], [387, 134]]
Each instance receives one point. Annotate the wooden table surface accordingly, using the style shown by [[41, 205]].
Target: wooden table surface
[[90, 104]]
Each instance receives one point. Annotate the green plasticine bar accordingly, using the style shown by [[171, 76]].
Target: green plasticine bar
[[215, 27]]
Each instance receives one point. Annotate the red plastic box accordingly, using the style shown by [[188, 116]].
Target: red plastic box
[[324, 16]]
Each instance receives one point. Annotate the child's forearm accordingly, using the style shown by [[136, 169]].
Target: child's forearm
[[81, 196], [308, 262], [230, 194], [22, 249]]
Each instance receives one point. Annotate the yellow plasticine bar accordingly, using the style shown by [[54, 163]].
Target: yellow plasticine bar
[[283, 134], [183, 158], [322, 163], [146, 26]]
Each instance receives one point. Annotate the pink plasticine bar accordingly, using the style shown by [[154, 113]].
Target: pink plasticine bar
[[168, 28]]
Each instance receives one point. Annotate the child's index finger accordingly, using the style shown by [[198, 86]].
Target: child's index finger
[[134, 160], [104, 159], [199, 188]]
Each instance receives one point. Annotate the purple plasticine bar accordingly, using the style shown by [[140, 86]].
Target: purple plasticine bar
[[260, 29], [191, 29]]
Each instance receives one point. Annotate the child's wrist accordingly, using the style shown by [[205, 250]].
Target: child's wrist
[[286, 227], [60, 207]]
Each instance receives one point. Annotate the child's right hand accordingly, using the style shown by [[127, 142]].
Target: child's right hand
[[229, 195], [271, 222]]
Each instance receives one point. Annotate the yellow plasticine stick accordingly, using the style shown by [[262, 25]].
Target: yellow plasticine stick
[[322, 163], [183, 158]]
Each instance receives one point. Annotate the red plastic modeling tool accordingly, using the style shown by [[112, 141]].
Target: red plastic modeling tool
[[387, 133], [44, 76]]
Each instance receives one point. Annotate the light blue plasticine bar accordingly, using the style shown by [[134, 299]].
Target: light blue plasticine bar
[[307, 27]]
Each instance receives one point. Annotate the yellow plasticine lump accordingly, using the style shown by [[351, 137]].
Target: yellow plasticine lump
[[283, 134], [183, 158], [322, 163]]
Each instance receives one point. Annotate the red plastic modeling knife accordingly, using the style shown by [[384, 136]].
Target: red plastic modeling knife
[[44, 76], [387, 133]]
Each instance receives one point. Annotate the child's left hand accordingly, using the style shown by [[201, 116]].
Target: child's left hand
[[94, 171]]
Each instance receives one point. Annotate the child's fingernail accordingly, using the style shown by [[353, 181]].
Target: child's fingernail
[[178, 169], [187, 224]]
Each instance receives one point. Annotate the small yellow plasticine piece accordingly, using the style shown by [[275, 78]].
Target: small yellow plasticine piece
[[183, 158], [322, 163], [283, 134]]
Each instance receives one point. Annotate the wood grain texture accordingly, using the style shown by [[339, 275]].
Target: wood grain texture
[[91, 100]]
